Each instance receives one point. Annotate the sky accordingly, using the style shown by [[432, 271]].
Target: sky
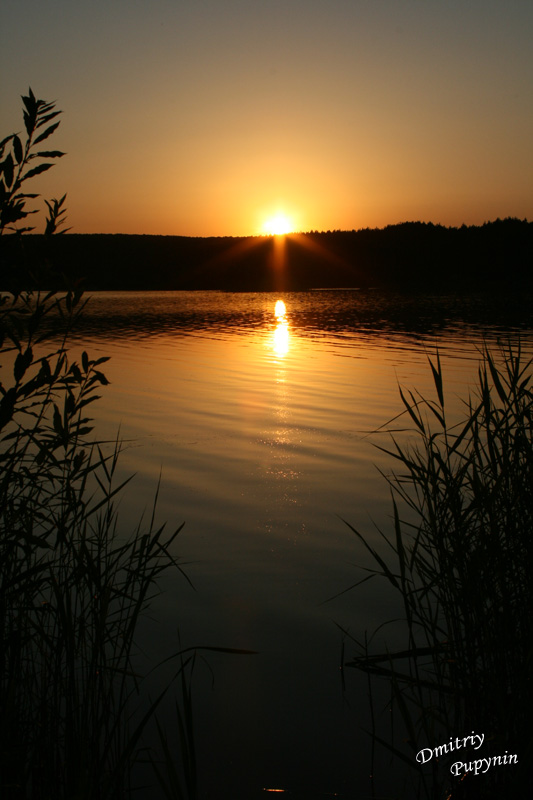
[[210, 118]]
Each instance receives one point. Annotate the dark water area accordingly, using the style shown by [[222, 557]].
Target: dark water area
[[261, 423]]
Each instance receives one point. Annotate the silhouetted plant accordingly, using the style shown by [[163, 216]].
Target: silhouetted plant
[[462, 553], [73, 585], [71, 591], [16, 167]]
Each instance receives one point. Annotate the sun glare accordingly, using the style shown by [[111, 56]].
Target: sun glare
[[280, 309], [278, 225], [281, 333]]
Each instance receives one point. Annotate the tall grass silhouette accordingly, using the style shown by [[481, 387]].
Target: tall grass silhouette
[[460, 557], [73, 582]]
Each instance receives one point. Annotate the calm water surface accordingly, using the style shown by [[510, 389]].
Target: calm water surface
[[259, 423]]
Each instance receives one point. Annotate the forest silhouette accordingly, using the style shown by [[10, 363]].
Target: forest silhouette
[[408, 256]]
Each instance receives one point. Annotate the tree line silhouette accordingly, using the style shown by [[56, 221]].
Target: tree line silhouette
[[410, 256]]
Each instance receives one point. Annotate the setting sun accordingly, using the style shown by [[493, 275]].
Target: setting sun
[[278, 225]]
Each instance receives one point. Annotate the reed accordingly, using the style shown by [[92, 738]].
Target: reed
[[460, 557], [73, 584]]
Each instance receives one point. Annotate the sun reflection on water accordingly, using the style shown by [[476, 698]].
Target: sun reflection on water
[[280, 309], [281, 332]]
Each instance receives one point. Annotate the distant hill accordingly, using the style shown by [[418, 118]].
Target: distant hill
[[412, 255]]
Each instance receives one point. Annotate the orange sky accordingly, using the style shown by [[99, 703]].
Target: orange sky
[[208, 118]]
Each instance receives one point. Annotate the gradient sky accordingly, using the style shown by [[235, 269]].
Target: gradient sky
[[205, 118]]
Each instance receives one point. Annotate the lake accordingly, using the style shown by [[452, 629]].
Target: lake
[[260, 421]]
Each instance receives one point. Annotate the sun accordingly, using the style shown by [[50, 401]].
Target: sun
[[278, 225]]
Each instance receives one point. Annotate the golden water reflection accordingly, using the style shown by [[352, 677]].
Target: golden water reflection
[[281, 333], [280, 309], [281, 474]]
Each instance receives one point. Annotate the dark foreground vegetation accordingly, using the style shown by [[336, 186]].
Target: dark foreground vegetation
[[411, 256], [460, 556], [74, 583]]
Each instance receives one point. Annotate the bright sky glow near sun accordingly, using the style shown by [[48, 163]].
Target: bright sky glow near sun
[[278, 225], [238, 117]]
